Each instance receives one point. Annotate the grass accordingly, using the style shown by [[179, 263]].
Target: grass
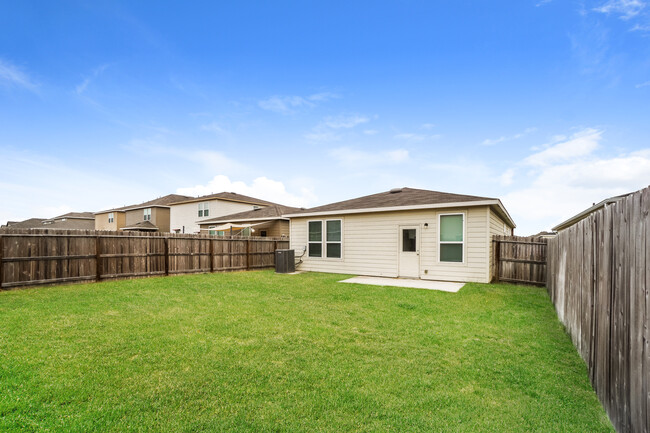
[[260, 352]]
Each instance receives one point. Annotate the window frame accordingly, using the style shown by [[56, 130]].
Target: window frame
[[147, 214], [323, 241], [463, 243], [204, 209], [111, 217]]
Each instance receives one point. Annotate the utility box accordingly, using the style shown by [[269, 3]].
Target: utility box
[[285, 261]]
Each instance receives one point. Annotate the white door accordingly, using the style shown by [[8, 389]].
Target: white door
[[409, 251]]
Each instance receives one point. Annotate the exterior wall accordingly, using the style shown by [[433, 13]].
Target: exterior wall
[[135, 216], [187, 214], [160, 218], [496, 225], [101, 221], [370, 244]]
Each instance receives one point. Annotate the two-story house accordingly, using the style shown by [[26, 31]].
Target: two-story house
[[152, 216], [187, 215]]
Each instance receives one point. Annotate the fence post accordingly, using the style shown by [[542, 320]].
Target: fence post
[[248, 254], [166, 255], [1, 265], [98, 258], [497, 257]]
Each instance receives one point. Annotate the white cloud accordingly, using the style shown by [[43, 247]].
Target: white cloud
[[507, 177], [646, 84], [580, 144], [81, 87], [290, 104], [427, 126], [626, 9], [493, 141], [370, 131], [344, 121], [261, 187], [355, 158], [409, 136], [327, 129], [213, 127], [567, 177], [11, 75]]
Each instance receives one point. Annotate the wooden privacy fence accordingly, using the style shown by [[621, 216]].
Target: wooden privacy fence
[[35, 256], [519, 259], [599, 281]]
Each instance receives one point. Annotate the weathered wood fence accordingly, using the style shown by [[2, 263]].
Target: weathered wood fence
[[599, 281], [520, 260], [35, 256]]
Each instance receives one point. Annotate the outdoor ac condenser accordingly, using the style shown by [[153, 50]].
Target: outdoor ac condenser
[[285, 261]]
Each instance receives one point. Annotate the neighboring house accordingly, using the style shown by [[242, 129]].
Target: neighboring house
[[545, 235], [150, 216], [187, 215], [404, 232], [263, 222], [585, 213], [31, 223], [69, 221]]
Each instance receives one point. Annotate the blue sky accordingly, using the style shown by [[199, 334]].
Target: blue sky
[[544, 104]]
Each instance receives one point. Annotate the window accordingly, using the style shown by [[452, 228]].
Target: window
[[452, 238], [328, 241], [204, 209], [212, 231], [263, 233], [147, 214], [111, 217], [409, 240]]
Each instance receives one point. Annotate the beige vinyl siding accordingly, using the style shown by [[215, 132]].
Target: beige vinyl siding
[[101, 221], [371, 242], [496, 228]]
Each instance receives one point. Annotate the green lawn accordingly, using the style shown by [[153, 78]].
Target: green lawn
[[260, 352]]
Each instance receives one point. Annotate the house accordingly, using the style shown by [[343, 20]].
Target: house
[[69, 221], [263, 222], [150, 216], [585, 213], [188, 214], [404, 232]]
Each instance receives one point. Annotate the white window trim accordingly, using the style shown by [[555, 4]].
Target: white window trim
[[323, 241], [204, 209], [111, 217], [463, 243], [147, 215]]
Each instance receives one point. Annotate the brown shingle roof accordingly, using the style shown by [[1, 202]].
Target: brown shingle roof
[[142, 225], [398, 197], [71, 224], [229, 196], [269, 212], [31, 223], [160, 201], [88, 215]]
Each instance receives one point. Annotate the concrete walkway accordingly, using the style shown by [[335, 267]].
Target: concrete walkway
[[445, 286]]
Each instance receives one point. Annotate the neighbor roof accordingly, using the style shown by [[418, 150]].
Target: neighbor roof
[[263, 213], [585, 213], [30, 223], [164, 201], [78, 215], [142, 225], [228, 196], [403, 199]]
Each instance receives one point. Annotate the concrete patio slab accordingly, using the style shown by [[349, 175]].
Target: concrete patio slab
[[445, 286]]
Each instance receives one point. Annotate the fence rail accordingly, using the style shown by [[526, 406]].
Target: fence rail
[[599, 281], [519, 259], [31, 257]]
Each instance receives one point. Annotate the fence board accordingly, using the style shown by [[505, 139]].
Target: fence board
[[31, 257], [598, 274], [519, 259]]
